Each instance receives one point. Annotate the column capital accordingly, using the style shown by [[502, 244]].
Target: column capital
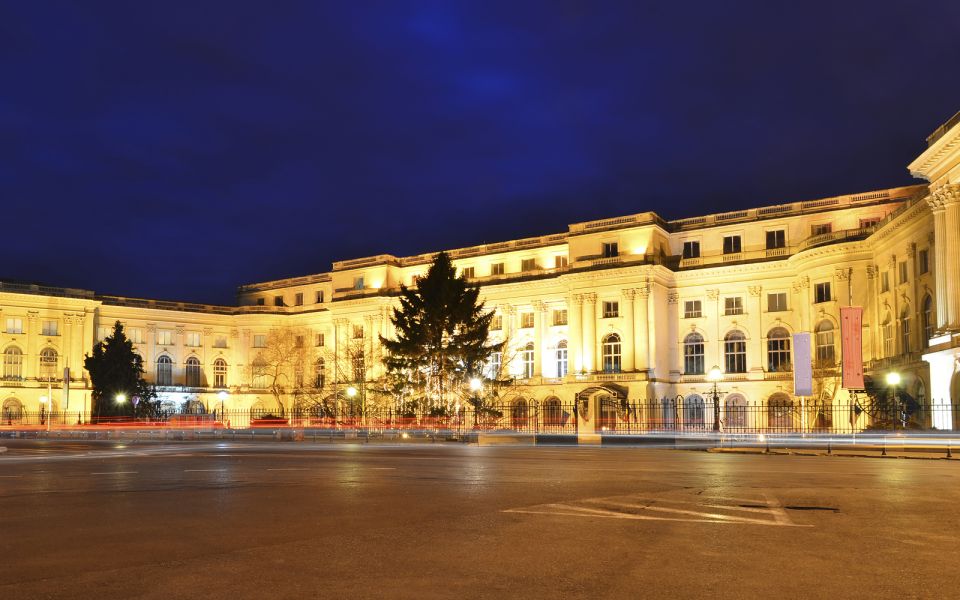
[[841, 274], [539, 306], [755, 290], [944, 195], [590, 298], [644, 291], [713, 294], [673, 297], [629, 293]]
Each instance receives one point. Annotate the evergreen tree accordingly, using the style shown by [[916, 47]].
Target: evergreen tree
[[115, 368], [441, 334]]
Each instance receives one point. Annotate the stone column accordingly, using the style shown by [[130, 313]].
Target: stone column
[[589, 332], [641, 349], [755, 354], [539, 309], [945, 204], [31, 356], [627, 350], [575, 333]]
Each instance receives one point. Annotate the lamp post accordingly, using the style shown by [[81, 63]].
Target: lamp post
[[352, 393], [893, 380], [222, 395], [475, 386], [715, 375], [44, 413]]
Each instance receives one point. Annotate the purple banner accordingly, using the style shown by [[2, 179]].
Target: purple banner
[[802, 365]]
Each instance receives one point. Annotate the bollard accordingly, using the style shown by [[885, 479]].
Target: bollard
[[768, 446], [949, 455], [884, 452], [828, 447]]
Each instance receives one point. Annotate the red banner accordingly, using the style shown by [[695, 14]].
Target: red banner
[[851, 332]]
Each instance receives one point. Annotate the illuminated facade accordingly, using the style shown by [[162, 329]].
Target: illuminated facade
[[632, 306]]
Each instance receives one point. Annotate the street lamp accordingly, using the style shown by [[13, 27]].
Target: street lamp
[[222, 395], [45, 412], [120, 398], [893, 380], [715, 375], [351, 392], [475, 386]]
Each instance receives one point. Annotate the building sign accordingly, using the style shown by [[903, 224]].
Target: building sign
[[802, 365], [851, 331]]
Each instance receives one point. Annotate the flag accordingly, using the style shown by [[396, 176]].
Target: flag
[[851, 330], [802, 365]]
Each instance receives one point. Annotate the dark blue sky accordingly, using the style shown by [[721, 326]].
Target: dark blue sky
[[179, 149]]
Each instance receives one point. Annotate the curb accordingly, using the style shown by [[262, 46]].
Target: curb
[[786, 452]]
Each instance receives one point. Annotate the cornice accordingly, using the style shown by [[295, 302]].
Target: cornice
[[930, 164]]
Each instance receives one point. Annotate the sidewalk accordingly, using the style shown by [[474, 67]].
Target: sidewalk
[[924, 453]]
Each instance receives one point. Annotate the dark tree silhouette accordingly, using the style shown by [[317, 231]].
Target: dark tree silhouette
[[115, 368]]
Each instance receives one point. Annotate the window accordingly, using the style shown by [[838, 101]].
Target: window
[[735, 352], [494, 365], [319, 373], [260, 340], [526, 320], [692, 309], [780, 411], [359, 367], [358, 283], [821, 228], [278, 300], [48, 364], [220, 341], [552, 413], [358, 332], [731, 244], [826, 356], [611, 354], [887, 331], [14, 325], [559, 262], [528, 264], [164, 371], [924, 259], [261, 301], [776, 239], [103, 333], [778, 350], [560, 316], [691, 249], [869, 222], [496, 323], [693, 411], [610, 249], [611, 309], [298, 341], [733, 305], [319, 297], [884, 282], [298, 299], [193, 372], [49, 328], [562, 359], [735, 412], [777, 302], [902, 269], [320, 340], [822, 292], [259, 374], [927, 316], [905, 330], [496, 268], [13, 363], [693, 354], [220, 373], [468, 272], [134, 334], [193, 338], [526, 358], [164, 337]]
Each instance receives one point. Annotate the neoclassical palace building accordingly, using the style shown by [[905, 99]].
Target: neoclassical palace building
[[633, 305]]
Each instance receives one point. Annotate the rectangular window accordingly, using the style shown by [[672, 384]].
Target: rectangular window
[[776, 239], [358, 283], [496, 269], [193, 338], [884, 282], [320, 340], [261, 301], [902, 268], [134, 334], [468, 272], [260, 340], [319, 296], [731, 244], [822, 292], [164, 337], [103, 332], [49, 328], [733, 305], [298, 299], [560, 316], [526, 320], [559, 262], [869, 222], [691, 309], [278, 300], [528, 264], [358, 332], [220, 341], [691, 249], [496, 323], [821, 228], [14, 325], [611, 309], [924, 262], [298, 341], [777, 302]]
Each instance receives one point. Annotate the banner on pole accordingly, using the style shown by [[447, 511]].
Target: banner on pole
[[802, 365], [851, 331]]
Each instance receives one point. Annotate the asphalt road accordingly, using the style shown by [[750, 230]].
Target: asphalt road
[[275, 520]]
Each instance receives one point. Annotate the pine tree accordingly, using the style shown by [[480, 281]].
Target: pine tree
[[116, 368], [441, 334]]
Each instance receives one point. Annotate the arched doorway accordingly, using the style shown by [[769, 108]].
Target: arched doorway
[[780, 412], [607, 414], [735, 413], [694, 412], [552, 413], [519, 414], [11, 411]]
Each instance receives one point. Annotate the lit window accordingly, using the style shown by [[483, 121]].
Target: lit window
[[527, 358], [559, 262], [358, 332], [164, 371], [260, 340], [821, 228], [48, 364], [14, 325], [319, 297], [193, 372], [560, 316], [693, 354], [735, 352], [611, 353], [164, 337], [49, 328], [193, 338], [220, 373], [778, 350], [496, 269], [526, 320], [826, 355], [134, 334], [496, 323], [528, 264], [562, 359], [468, 272]]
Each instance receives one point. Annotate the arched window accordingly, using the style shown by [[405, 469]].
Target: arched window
[[48, 364], [927, 316], [519, 413], [13, 363], [905, 330], [193, 372], [693, 354], [735, 412], [562, 359], [887, 331], [778, 350], [12, 411], [319, 373], [527, 359], [921, 394], [693, 412], [220, 373], [735, 352], [780, 411], [164, 370], [552, 414], [259, 374], [826, 355], [611, 353]]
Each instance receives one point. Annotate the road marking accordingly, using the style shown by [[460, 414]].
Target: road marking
[[203, 470], [10, 476], [383, 468], [289, 469], [114, 473]]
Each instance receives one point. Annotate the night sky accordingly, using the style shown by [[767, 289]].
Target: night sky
[[178, 149]]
